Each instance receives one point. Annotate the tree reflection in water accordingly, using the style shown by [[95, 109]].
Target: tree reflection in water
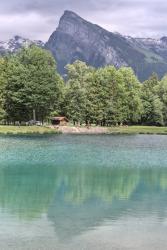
[[78, 198]]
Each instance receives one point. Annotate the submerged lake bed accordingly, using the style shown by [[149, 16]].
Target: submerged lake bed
[[83, 192]]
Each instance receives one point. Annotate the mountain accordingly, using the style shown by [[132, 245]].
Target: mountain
[[76, 38], [17, 43]]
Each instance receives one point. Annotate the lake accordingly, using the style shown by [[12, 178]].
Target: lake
[[65, 192]]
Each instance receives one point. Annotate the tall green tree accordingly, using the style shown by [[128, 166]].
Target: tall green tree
[[14, 92], [33, 88], [153, 106], [76, 101], [2, 86], [162, 92], [132, 102], [103, 96], [109, 96]]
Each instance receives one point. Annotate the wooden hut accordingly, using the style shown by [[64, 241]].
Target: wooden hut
[[59, 121]]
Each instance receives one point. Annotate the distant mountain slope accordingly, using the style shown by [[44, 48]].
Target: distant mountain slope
[[76, 38], [17, 43]]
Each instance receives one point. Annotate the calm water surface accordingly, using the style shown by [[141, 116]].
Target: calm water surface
[[83, 192]]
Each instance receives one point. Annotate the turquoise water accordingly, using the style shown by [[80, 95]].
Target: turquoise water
[[83, 192]]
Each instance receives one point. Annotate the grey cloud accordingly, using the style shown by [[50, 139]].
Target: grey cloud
[[38, 18], [54, 6]]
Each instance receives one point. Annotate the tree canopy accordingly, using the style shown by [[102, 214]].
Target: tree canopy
[[31, 88]]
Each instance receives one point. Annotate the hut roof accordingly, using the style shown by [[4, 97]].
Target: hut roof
[[59, 118]]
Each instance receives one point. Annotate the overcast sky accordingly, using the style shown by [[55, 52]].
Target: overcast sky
[[36, 19]]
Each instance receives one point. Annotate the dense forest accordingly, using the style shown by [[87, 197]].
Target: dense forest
[[31, 88]]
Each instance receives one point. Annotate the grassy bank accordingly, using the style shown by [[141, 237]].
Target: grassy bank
[[16, 130], [26, 130], [138, 130]]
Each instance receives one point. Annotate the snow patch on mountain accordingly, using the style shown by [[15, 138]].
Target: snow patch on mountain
[[16, 43]]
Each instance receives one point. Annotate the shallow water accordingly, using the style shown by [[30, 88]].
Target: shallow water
[[83, 192]]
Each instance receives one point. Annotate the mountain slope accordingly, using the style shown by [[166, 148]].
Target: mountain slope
[[76, 38]]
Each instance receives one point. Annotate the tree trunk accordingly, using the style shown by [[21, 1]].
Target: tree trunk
[[34, 115]]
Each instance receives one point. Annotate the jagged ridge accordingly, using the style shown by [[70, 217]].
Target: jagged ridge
[[76, 38]]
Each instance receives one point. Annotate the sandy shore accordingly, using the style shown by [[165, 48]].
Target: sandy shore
[[82, 130]]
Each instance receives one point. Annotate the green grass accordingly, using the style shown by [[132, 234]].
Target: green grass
[[16, 130], [138, 130], [23, 130]]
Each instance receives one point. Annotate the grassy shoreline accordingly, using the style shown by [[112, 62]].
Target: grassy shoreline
[[130, 130], [138, 130], [26, 130]]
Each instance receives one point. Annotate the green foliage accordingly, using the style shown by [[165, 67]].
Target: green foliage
[[33, 85], [104, 96], [2, 86], [76, 105], [132, 102], [162, 92], [31, 88], [153, 106]]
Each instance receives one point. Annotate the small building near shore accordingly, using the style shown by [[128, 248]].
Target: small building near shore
[[59, 121]]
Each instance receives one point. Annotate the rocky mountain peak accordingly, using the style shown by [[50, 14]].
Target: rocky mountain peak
[[79, 39], [69, 13], [72, 24], [70, 16]]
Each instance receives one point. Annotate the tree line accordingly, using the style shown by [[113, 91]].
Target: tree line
[[32, 89]]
